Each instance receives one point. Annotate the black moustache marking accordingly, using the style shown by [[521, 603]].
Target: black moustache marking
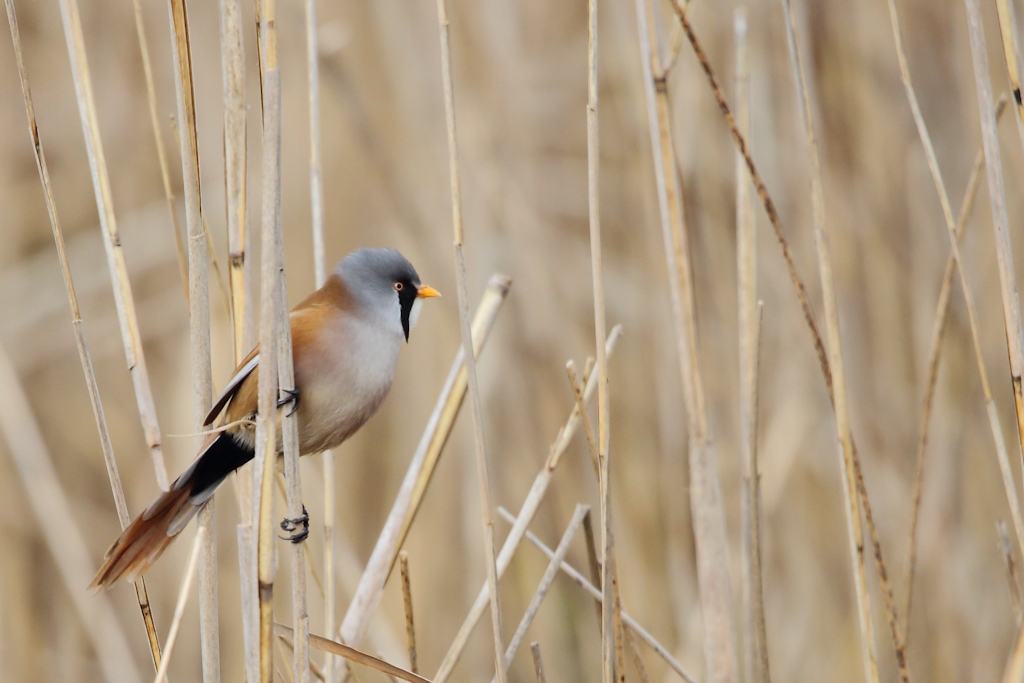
[[406, 299]]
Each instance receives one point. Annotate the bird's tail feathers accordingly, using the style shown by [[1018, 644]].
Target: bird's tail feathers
[[149, 534]]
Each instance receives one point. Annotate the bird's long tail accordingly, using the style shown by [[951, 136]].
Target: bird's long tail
[[149, 534]]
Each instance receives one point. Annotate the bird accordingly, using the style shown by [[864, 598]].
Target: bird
[[346, 338]]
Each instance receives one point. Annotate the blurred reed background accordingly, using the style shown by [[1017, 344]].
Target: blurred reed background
[[520, 72]]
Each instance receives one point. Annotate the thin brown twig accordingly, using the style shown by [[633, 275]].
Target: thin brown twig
[[410, 624], [84, 356]]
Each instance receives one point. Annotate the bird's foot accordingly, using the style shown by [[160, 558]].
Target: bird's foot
[[298, 528], [291, 397]]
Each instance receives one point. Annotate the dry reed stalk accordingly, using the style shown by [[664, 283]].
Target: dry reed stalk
[[538, 664], [353, 655], [611, 641], [595, 593], [410, 623], [705, 492], [235, 177], [272, 261], [84, 356], [521, 522], [239, 276], [59, 527], [123, 300], [1000, 219], [476, 408], [320, 273], [955, 231], [421, 468], [290, 437], [183, 593], [1006, 551], [801, 292], [1011, 53], [755, 641], [547, 579], [855, 533], [161, 154], [199, 325]]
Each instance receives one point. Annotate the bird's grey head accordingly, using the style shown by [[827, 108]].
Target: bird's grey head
[[386, 286]]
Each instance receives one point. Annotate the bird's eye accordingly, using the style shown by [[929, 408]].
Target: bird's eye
[[399, 286]]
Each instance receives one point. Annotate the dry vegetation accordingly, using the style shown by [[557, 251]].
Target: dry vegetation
[[867, 207]]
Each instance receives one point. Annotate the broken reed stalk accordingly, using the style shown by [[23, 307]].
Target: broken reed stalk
[[266, 424], [84, 356], [538, 664], [755, 645], [183, 593], [595, 593], [955, 231], [123, 300], [547, 579], [855, 532], [1011, 53], [1006, 551], [521, 522], [476, 408], [705, 492], [611, 642], [410, 623], [1000, 219], [353, 655], [158, 138], [421, 468], [199, 326], [59, 527]]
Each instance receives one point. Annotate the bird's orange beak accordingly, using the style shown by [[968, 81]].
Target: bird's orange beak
[[427, 292]]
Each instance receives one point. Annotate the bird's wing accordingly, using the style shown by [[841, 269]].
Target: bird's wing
[[243, 370]]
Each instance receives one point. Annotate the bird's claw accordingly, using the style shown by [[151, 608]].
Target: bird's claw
[[291, 397], [298, 528]]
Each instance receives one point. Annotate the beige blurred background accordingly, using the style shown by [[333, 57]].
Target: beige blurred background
[[520, 79]]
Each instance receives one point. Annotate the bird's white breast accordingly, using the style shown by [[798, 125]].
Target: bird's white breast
[[342, 384]]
